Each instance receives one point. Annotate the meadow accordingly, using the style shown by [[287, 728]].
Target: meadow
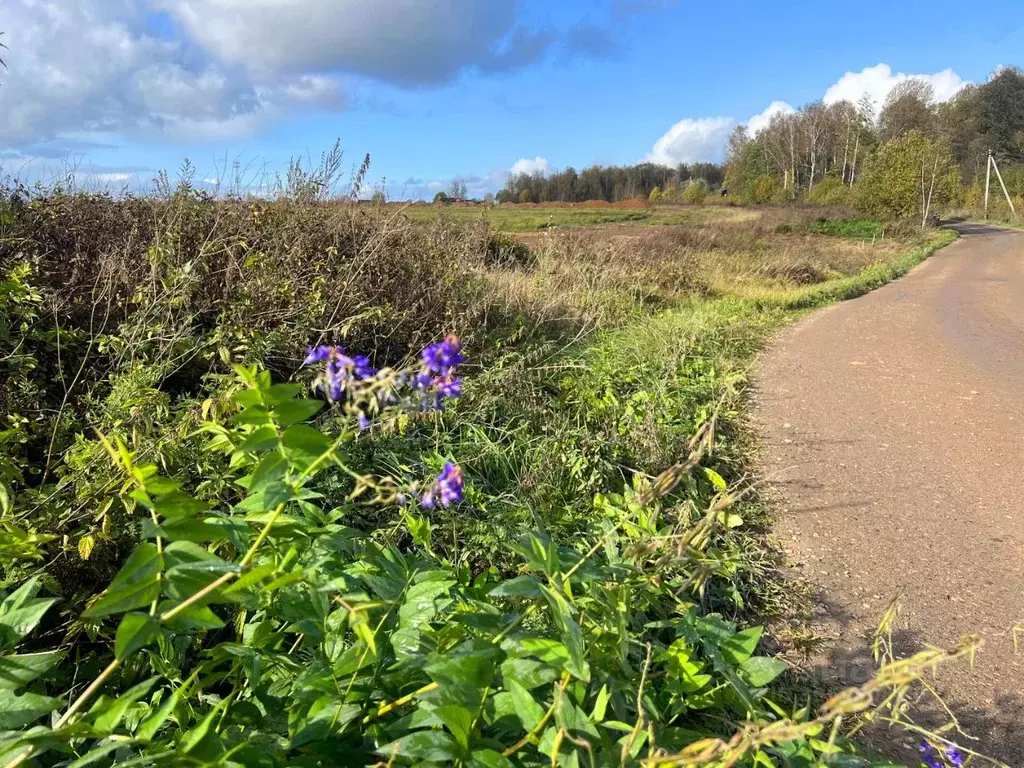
[[520, 532]]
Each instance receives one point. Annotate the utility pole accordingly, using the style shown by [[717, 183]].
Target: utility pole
[[988, 178], [1013, 211]]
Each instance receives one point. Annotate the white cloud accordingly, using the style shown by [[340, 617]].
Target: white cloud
[[529, 167], [690, 141], [878, 80], [89, 67], [761, 120], [409, 42]]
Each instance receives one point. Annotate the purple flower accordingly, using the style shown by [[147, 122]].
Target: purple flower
[[361, 367], [930, 756], [955, 757], [317, 354], [340, 369], [363, 422], [447, 488], [443, 356]]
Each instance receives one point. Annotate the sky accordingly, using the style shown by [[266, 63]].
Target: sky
[[441, 89]]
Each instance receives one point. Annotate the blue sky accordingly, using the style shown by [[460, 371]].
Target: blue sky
[[435, 89]]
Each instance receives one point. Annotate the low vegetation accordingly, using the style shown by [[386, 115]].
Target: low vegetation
[[310, 483]]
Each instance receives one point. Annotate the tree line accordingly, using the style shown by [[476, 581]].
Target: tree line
[[609, 183], [906, 158]]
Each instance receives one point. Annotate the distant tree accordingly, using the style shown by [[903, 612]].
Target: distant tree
[[457, 189], [1001, 114], [442, 199], [655, 195], [830, 191], [761, 191], [696, 192], [910, 106], [489, 198], [525, 197], [505, 196], [379, 197]]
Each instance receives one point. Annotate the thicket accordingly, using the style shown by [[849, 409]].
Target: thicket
[[229, 538]]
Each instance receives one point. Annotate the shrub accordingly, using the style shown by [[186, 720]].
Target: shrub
[[829, 191], [696, 192], [655, 195], [504, 250], [761, 191]]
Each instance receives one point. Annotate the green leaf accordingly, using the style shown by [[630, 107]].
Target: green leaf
[[429, 746], [742, 645], [19, 670], [16, 624], [458, 720], [421, 603], [761, 670], [303, 445], [137, 630], [333, 716], [19, 711], [601, 705], [98, 753], [715, 478], [471, 663], [192, 568], [136, 585], [178, 505], [111, 715], [196, 616], [529, 711], [21, 595], [261, 439], [526, 585], [294, 411], [152, 724]]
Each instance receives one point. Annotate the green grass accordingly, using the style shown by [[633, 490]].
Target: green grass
[[858, 229], [536, 219]]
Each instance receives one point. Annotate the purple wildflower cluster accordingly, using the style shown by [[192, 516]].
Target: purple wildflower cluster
[[950, 756], [340, 371], [437, 376], [446, 488], [434, 382]]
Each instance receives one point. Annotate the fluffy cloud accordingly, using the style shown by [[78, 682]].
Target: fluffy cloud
[[528, 166], [691, 140], [761, 120], [878, 80], [90, 67], [409, 42]]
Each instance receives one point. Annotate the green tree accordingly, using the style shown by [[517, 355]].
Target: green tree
[[907, 177], [761, 191], [525, 197], [655, 195], [442, 198], [696, 192]]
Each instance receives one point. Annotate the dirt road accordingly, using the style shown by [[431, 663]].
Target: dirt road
[[894, 441]]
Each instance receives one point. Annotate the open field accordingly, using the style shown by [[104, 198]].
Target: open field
[[527, 218], [589, 540]]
